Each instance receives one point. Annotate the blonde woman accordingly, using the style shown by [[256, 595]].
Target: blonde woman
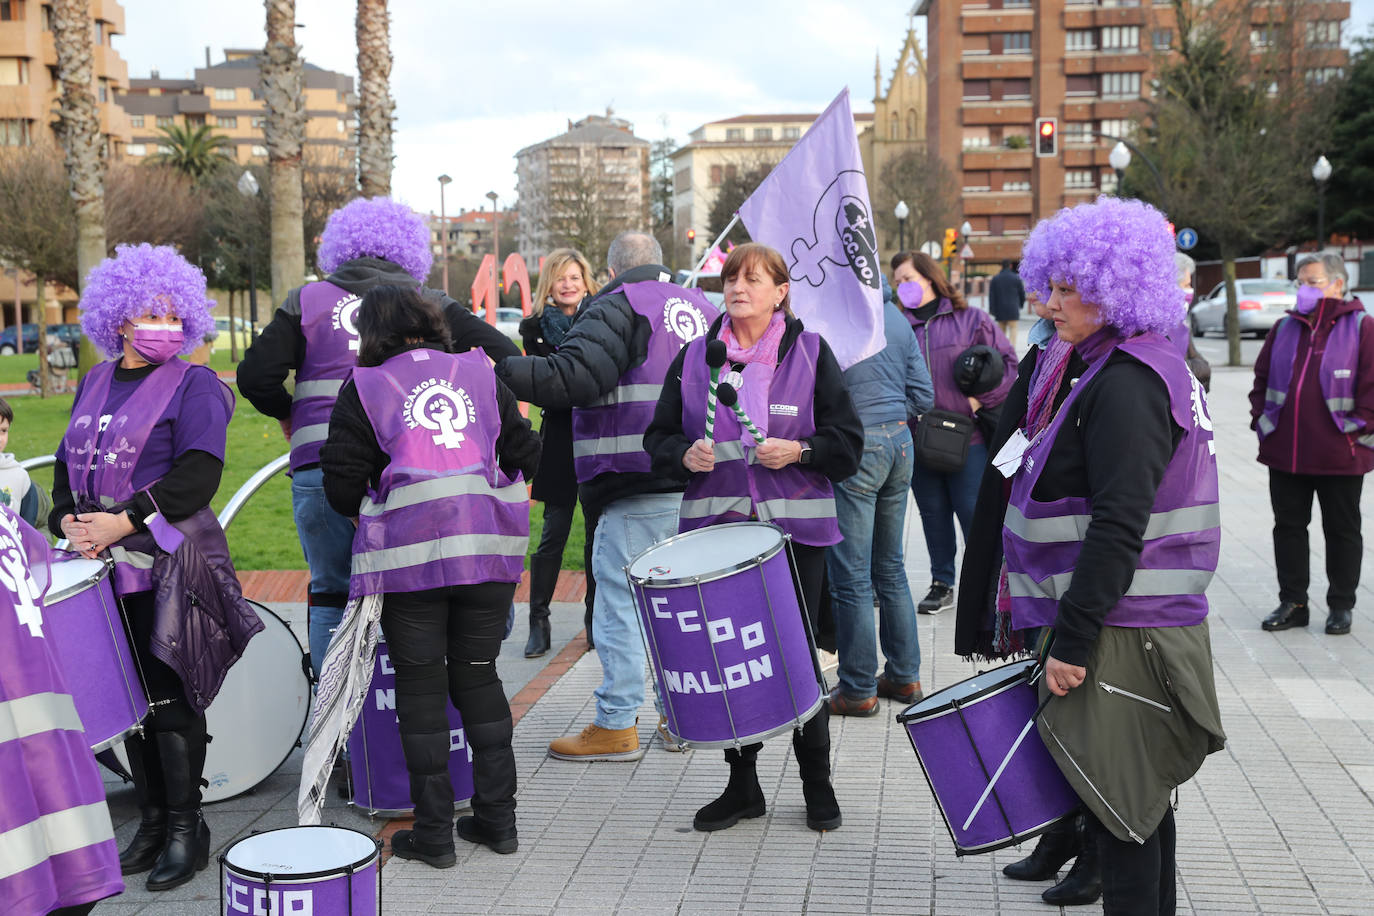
[[565, 282]]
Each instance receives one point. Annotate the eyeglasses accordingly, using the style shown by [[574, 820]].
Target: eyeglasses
[[1314, 281]]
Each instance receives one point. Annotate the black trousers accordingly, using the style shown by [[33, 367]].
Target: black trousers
[[1137, 879], [1339, 496], [554, 535]]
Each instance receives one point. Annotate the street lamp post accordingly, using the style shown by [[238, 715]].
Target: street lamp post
[[902, 211], [495, 258], [1321, 173], [443, 228], [965, 230], [1120, 160], [248, 187]]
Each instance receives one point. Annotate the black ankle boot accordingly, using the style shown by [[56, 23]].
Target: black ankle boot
[[1083, 884], [541, 636], [811, 745], [187, 851], [146, 770], [492, 822], [1057, 845], [743, 796], [543, 581]]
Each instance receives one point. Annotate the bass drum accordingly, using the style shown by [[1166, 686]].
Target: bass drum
[[259, 714]]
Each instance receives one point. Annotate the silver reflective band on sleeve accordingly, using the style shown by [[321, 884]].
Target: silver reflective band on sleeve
[[36, 714], [23, 847], [1146, 583], [628, 394], [715, 506], [441, 487], [1275, 396], [1065, 528], [1265, 425], [135, 558], [319, 388], [458, 545], [609, 445], [1344, 405], [307, 434], [771, 509]]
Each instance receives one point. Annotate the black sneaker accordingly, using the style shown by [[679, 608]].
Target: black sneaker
[[940, 597]]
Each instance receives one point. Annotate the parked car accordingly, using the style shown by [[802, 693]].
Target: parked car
[[67, 333], [241, 331], [507, 320], [1260, 303]]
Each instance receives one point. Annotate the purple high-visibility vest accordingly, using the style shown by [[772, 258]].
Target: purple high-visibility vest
[[797, 499], [57, 845], [1337, 376], [608, 435], [444, 513], [331, 351], [1041, 541]]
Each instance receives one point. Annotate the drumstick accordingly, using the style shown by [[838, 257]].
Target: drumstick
[[730, 398], [1006, 760], [715, 358]]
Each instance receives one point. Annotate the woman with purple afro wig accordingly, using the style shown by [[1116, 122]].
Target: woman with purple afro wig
[[377, 227], [1118, 254], [139, 281], [1110, 537]]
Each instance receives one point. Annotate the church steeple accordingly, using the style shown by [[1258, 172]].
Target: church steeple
[[877, 76]]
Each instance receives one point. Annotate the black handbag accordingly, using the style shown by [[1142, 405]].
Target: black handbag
[[942, 440]]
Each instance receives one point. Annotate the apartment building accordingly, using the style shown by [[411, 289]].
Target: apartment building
[[995, 66], [227, 97], [28, 73], [469, 232]]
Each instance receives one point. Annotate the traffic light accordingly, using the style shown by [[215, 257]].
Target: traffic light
[[1046, 136], [691, 237], [951, 243]]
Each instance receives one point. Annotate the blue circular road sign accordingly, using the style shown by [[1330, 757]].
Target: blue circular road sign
[[1187, 239]]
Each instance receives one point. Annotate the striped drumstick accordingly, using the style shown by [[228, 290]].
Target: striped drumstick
[[730, 398], [715, 358]]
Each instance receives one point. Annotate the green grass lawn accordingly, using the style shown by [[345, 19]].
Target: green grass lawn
[[263, 536]]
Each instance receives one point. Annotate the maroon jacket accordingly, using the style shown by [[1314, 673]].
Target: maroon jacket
[[947, 334], [1306, 440]]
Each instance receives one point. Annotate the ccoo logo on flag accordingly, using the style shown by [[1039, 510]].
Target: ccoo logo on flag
[[841, 233]]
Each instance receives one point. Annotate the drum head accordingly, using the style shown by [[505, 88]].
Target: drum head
[[295, 853], [71, 577], [707, 553], [983, 684]]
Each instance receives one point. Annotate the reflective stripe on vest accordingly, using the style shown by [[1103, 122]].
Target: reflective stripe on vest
[[48, 835], [38, 713], [388, 559], [1145, 583], [628, 394], [1187, 520], [309, 435], [323, 388], [331, 350], [429, 490]]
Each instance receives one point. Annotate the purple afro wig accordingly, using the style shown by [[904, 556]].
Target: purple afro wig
[[142, 279], [376, 228], [1118, 254]]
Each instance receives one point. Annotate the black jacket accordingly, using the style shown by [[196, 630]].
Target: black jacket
[[280, 347], [1113, 449], [1006, 295], [608, 339], [352, 458], [836, 447], [556, 481]]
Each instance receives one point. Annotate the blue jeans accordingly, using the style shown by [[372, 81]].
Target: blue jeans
[[327, 542], [627, 527], [941, 497], [871, 508]]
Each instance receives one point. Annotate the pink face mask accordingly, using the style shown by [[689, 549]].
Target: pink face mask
[[157, 343], [910, 293], [1308, 297]]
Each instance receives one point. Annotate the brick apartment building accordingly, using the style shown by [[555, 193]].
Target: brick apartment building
[[995, 66]]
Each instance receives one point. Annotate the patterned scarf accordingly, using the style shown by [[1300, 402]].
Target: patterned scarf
[[555, 324]]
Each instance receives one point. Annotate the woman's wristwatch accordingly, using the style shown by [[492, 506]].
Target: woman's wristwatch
[[805, 456]]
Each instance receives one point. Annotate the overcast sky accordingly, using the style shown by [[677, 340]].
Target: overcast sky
[[476, 80]]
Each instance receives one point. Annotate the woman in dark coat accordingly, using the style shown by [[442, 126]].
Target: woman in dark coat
[[565, 283]]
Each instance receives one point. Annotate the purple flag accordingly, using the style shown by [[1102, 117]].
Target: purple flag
[[814, 209]]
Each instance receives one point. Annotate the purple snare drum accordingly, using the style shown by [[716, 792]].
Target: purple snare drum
[[962, 733], [381, 785], [728, 640], [87, 630], [301, 870]]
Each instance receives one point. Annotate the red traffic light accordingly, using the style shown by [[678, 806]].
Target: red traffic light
[[1046, 137], [691, 235], [1047, 128]]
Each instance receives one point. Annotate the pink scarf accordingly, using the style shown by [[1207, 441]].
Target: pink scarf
[[760, 360]]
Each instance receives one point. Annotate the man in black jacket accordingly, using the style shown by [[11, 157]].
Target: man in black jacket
[[318, 342], [608, 342], [1006, 298]]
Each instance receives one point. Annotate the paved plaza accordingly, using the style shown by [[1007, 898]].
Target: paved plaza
[[1282, 821]]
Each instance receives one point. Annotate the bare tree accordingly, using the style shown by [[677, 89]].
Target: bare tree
[[79, 129], [375, 106], [921, 179], [739, 179], [587, 208], [325, 187], [283, 89]]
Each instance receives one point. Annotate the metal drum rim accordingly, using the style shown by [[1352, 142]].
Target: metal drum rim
[[339, 871], [685, 581], [1013, 840], [119, 738], [757, 737], [992, 690], [79, 586]]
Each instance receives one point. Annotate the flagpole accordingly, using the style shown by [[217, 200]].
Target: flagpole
[[692, 277]]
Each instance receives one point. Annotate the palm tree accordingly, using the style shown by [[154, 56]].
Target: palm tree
[[283, 89], [194, 151], [78, 128], [375, 105]]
